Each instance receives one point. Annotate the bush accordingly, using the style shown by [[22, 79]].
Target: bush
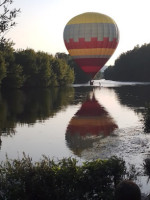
[[21, 179]]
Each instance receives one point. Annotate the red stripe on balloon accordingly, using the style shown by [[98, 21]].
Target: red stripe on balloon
[[91, 65], [94, 43], [97, 62], [90, 69]]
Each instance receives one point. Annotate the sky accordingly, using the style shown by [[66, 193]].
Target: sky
[[40, 24]]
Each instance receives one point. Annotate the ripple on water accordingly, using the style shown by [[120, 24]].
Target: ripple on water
[[131, 144]]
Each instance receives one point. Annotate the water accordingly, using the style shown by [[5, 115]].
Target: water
[[82, 121]]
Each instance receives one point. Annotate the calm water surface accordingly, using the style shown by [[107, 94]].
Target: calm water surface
[[86, 122]]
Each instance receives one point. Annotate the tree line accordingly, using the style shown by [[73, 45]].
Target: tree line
[[27, 68], [134, 65]]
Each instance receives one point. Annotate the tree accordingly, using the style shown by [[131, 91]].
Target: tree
[[2, 67], [134, 65], [10, 74], [27, 59], [63, 56], [14, 77], [79, 75], [62, 71], [44, 72], [7, 17]]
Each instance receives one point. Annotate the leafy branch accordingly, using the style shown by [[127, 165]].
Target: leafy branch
[[7, 16]]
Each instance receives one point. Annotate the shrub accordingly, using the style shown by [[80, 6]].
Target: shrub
[[22, 179]]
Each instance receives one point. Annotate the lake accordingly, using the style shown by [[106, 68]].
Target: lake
[[81, 121]]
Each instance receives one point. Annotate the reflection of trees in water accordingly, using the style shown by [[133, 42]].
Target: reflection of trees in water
[[81, 93], [138, 99], [26, 107], [134, 97], [89, 124]]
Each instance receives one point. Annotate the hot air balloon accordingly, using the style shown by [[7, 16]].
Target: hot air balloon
[[91, 38]]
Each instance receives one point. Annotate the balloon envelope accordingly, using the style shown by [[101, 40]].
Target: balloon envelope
[[91, 38]]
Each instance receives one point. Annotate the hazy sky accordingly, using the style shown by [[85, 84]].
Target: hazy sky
[[40, 24]]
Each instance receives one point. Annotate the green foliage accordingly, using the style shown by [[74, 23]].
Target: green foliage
[[133, 65], [7, 16], [62, 56], [44, 71], [27, 58], [79, 75], [27, 68], [14, 77], [2, 67], [36, 67], [62, 71], [22, 179]]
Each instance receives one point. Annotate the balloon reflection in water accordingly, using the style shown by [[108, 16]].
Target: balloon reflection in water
[[90, 123]]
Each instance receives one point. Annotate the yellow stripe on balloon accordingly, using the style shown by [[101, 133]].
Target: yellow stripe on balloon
[[94, 51], [91, 17]]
